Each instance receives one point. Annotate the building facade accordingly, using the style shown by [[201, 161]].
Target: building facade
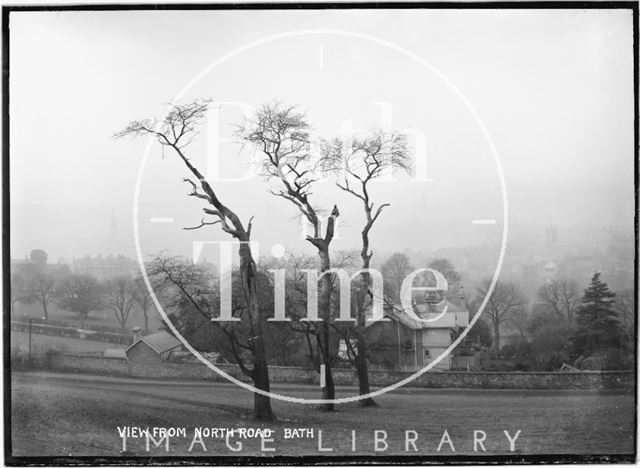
[[106, 267], [153, 349], [403, 343]]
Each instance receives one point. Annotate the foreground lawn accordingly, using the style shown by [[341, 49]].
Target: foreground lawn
[[63, 414]]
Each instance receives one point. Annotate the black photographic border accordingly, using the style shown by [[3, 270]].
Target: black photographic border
[[408, 460]]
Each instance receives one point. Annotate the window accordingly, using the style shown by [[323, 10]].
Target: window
[[427, 354]]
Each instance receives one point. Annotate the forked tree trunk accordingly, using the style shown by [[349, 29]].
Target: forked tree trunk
[[260, 376], [324, 347]]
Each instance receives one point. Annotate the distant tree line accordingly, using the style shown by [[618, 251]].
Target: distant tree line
[[37, 282], [589, 329]]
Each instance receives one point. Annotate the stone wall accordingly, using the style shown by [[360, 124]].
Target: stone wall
[[488, 380], [89, 364]]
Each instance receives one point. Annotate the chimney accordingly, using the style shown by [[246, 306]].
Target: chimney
[[137, 333]]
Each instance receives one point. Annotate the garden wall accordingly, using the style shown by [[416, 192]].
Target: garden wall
[[489, 380]]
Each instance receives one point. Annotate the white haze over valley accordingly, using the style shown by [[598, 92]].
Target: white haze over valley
[[554, 91]]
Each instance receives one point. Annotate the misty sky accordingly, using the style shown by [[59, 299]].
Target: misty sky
[[553, 88]]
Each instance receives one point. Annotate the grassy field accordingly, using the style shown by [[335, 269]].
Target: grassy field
[[62, 414], [104, 318], [42, 343]]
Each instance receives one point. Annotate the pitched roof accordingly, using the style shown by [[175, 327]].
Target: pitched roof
[[423, 308], [434, 312], [160, 342], [426, 311]]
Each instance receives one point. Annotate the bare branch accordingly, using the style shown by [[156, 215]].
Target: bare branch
[[283, 136], [202, 224]]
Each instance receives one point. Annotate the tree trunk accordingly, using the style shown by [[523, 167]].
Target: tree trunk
[[146, 322], [328, 391], [46, 312], [361, 344], [261, 403], [362, 371], [496, 335]]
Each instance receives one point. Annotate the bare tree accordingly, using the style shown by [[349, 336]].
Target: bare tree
[[296, 300], [282, 136], [394, 270], [296, 295], [143, 300], [505, 305], [452, 276], [625, 306], [119, 298], [35, 282], [42, 289], [188, 286], [356, 163], [19, 291], [561, 297], [81, 294], [175, 132]]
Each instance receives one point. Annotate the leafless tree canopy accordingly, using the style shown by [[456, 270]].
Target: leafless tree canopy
[[41, 288], [188, 286], [283, 136], [357, 161], [119, 298], [625, 305], [561, 297], [142, 298], [363, 158], [506, 304], [177, 130], [81, 294], [394, 270]]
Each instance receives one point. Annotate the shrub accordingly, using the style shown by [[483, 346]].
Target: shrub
[[39, 359]]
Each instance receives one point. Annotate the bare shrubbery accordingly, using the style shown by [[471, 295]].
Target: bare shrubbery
[[37, 359]]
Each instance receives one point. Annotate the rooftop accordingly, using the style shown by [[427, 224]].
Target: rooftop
[[444, 314], [160, 342]]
